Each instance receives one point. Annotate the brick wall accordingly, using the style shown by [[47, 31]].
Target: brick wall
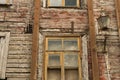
[[57, 21], [108, 62]]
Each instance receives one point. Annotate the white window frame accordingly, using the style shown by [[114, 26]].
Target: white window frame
[[4, 44], [63, 4]]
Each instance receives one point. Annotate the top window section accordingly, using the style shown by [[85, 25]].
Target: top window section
[[62, 43], [64, 3], [5, 2]]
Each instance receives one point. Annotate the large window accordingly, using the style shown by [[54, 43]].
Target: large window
[[4, 43], [62, 58], [63, 3]]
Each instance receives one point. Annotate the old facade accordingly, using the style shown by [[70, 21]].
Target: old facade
[[64, 40]]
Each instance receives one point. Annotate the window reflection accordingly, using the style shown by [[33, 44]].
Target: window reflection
[[70, 60], [54, 60], [54, 44], [70, 45]]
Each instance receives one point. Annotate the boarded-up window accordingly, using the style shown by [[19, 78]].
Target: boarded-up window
[[63, 3], [62, 58], [4, 42], [5, 2]]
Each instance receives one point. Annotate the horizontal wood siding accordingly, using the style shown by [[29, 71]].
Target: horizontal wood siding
[[19, 57]]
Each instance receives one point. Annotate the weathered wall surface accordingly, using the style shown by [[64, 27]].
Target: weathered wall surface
[[108, 62], [56, 20], [15, 19]]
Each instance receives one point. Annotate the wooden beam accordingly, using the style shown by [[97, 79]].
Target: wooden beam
[[35, 41], [92, 43], [117, 6]]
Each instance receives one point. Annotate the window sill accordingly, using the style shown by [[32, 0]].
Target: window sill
[[75, 7]]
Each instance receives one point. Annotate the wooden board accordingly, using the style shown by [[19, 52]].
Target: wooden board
[[4, 42], [117, 5], [35, 40], [92, 43]]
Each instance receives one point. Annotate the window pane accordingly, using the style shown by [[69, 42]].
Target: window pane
[[71, 74], [55, 2], [54, 44], [2, 1], [70, 60], [70, 44], [70, 2], [54, 74], [54, 60]]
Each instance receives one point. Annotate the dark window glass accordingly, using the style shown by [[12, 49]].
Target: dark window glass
[[70, 2]]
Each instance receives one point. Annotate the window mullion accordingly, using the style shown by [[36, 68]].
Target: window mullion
[[63, 2], [48, 2], [78, 3], [46, 45], [46, 65], [79, 67], [62, 43], [62, 67]]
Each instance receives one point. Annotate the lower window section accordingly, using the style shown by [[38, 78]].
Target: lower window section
[[71, 74], [54, 74]]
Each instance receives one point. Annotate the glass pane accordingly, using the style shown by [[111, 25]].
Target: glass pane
[[54, 44], [70, 2], [54, 74], [70, 44], [55, 2], [71, 74], [70, 60], [54, 60], [3, 2]]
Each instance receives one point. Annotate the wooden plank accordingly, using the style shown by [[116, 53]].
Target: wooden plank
[[79, 58], [117, 5], [17, 65], [20, 47], [17, 75], [17, 79], [17, 52], [84, 57], [92, 43], [19, 56], [18, 70], [4, 52], [19, 61], [35, 42], [1, 55]]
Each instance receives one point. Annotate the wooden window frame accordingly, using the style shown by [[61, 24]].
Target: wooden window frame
[[4, 54], [61, 53], [63, 4]]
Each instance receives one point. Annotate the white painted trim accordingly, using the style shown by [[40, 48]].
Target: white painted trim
[[4, 53], [85, 58], [44, 3]]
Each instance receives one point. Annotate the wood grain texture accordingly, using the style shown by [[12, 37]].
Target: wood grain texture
[[92, 43], [4, 42], [117, 5], [35, 41]]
